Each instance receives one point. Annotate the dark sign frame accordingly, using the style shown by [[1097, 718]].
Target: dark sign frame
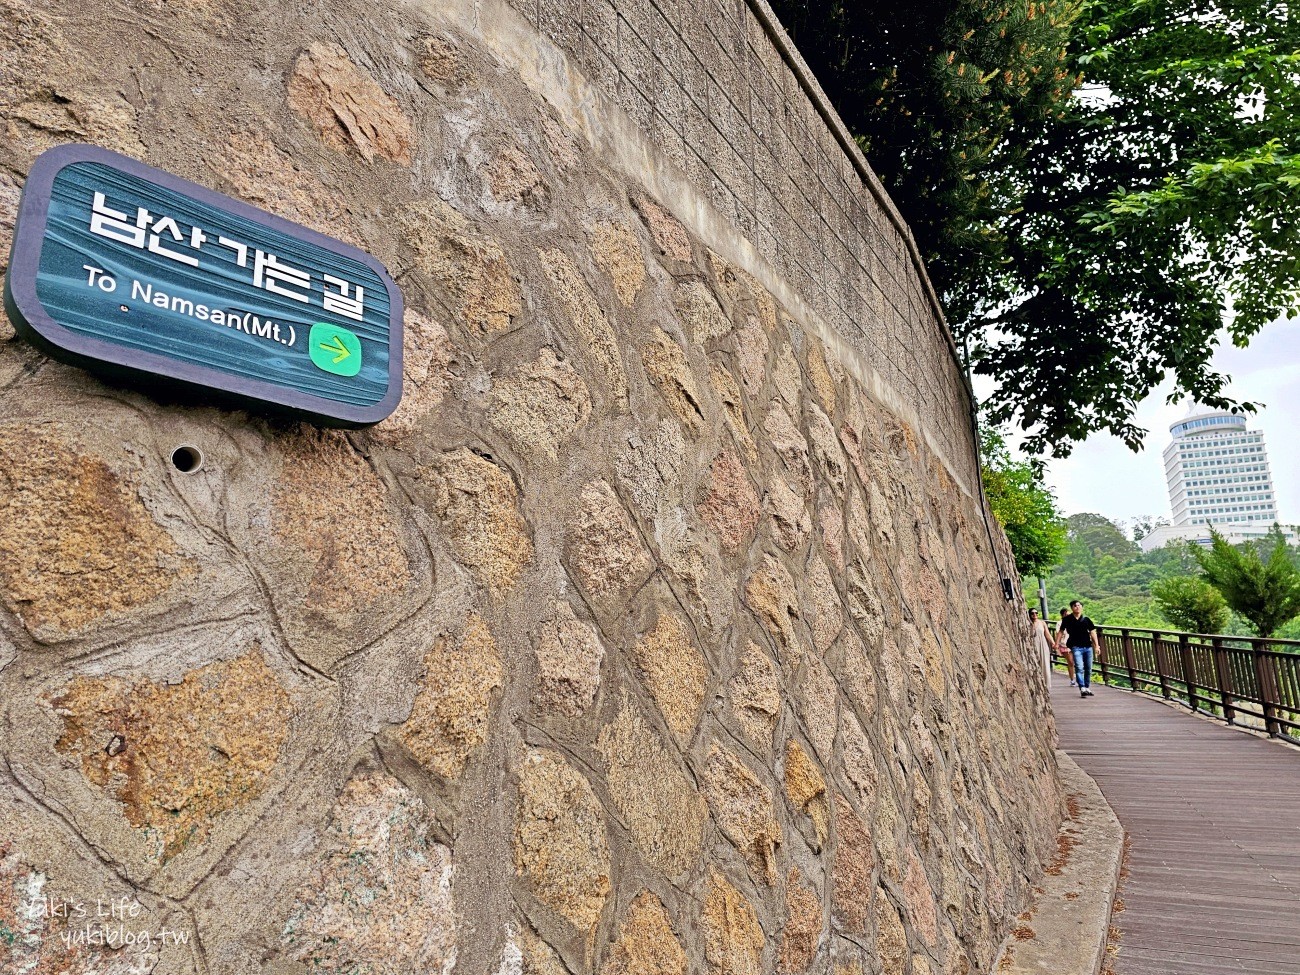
[[34, 323]]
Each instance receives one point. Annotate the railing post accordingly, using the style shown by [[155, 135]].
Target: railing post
[[1224, 677], [1189, 670], [1101, 654], [1267, 690], [1158, 645], [1128, 659]]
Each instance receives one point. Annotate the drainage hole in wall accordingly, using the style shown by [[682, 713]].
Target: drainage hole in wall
[[187, 459]]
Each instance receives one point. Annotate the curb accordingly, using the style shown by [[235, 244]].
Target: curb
[[1064, 932]]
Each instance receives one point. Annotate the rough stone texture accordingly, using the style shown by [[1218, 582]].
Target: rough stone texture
[[352, 549], [426, 380], [471, 266], [819, 377], [852, 875], [588, 320], [544, 597], [646, 944], [806, 788], [742, 807], [617, 251], [769, 592], [789, 444], [606, 554], [919, 898], [177, 756], [790, 521], [752, 347], [441, 61], [665, 363], [741, 291], [478, 504], [569, 655], [669, 235], [347, 107], [725, 385], [675, 674], [858, 763], [541, 405], [817, 702], [379, 898], [826, 619], [788, 378], [731, 508], [515, 178], [825, 447], [700, 312], [733, 938], [537, 958], [891, 935], [756, 695], [803, 926], [76, 540], [559, 840], [650, 470], [449, 720], [655, 799]]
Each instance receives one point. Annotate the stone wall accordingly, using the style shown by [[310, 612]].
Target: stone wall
[[718, 89], [657, 631]]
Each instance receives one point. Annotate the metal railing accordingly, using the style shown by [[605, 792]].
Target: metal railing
[[1244, 681]]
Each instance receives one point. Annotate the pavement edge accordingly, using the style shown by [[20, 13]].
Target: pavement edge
[[1064, 932]]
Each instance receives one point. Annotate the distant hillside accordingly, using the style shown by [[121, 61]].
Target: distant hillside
[[1107, 570]]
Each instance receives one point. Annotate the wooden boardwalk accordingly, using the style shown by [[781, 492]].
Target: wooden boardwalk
[[1213, 816]]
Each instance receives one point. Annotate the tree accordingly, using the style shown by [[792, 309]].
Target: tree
[[1085, 245], [932, 92], [1266, 593], [1144, 525], [1023, 506], [1192, 604], [1101, 536]]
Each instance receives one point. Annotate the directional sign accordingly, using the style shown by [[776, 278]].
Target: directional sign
[[127, 270]]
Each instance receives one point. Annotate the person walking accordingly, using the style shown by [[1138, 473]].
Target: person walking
[[1042, 641], [1081, 638], [1061, 648]]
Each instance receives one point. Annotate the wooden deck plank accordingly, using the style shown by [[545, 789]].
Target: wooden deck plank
[[1213, 817]]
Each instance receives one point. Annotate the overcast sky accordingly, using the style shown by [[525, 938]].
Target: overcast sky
[[1104, 476]]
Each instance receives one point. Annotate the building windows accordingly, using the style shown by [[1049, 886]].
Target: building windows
[[1215, 466]]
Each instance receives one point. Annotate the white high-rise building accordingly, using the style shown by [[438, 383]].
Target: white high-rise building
[[1218, 475], [1218, 472]]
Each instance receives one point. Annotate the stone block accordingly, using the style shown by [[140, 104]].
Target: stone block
[[742, 808], [733, 938], [347, 106], [449, 720], [77, 543], [380, 891], [178, 756], [477, 503], [645, 944], [655, 799], [559, 840]]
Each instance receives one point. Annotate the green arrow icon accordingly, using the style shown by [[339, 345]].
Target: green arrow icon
[[334, 349]]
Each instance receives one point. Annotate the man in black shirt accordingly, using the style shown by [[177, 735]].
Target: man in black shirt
[[1081, 638]]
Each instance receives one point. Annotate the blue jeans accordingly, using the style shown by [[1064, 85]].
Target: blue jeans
[[1082, 665]]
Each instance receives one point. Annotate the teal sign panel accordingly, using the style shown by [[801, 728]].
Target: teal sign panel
[[124, 269]]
